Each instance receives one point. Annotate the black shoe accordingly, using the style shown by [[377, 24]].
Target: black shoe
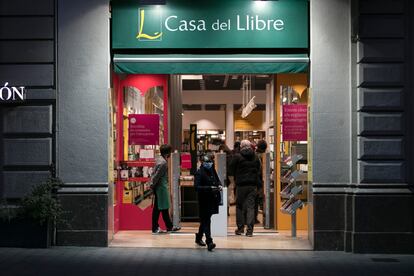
[[210, 244], [249, 234], [199, 240], [239, 231], [174, 229], [158, 232]]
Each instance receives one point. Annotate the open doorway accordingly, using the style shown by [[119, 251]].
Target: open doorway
[[215, 104]]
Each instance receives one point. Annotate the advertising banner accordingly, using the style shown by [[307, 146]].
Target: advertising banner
[[144, 129], [295, 122], [186, 161], [210, 24]]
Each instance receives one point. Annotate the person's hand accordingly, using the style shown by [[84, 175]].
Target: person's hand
[[217, 188]]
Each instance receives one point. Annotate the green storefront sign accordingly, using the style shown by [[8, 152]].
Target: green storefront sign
[[210, 24]]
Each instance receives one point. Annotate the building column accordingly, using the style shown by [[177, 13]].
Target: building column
[[83, 121], [175, 110], [230, 125]]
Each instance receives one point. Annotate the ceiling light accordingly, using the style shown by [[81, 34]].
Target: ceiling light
[[192, 77]]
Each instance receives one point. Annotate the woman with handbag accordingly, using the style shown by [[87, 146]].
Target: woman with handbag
[[208, 187]]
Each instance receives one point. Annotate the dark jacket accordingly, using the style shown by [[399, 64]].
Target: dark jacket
[[246, 168], [208, 199]]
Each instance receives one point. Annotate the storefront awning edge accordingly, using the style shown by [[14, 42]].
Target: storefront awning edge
[[208, 64]]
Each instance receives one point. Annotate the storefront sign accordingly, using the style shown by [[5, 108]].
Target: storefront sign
[[12, 93], [294, 122], [210, 24], [144, 129]]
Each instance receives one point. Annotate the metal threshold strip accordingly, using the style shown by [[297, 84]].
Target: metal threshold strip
[[213, 59]]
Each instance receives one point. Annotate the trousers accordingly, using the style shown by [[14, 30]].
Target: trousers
[[156, 214], [245, 203], [205, 225]]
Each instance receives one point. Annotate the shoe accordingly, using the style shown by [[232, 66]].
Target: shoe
[[239, 231], [249, 234], [199, 240], [210, 244], [174, 229], [159, 231]]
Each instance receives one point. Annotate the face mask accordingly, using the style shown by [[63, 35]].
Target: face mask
[[208, 165]]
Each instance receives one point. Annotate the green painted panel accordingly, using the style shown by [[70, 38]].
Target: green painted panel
[[210, 24]]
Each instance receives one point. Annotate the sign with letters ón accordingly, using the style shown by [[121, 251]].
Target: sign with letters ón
[[144, 129], [210, 24], [12, 93]]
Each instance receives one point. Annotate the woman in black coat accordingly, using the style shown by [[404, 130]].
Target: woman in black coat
[[208, 186]]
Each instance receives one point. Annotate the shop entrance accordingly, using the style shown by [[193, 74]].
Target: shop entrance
[[214, 104]]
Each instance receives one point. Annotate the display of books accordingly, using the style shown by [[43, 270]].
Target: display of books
[[291, 177], [290, 206], [290, 161], [291, 191]]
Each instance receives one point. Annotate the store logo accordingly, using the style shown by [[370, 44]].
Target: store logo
[[133, 120], [149, 25], [12, 93]]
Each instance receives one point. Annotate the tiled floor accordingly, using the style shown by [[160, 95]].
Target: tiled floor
[[262, 239], [81, 261]]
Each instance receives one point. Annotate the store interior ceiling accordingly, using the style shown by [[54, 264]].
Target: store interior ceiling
[[223, 82], [211, 107]]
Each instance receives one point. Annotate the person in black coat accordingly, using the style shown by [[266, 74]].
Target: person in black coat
[[246, 169], [208, 187]]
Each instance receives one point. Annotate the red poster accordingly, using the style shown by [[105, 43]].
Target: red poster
[[144, 129], [186, 161], [295, 122]]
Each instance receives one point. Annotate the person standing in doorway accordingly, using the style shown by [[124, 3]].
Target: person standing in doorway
[[248, 177], [208, 187], [159, 184]]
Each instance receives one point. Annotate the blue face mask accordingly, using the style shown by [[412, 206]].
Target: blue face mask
[[208, 165]]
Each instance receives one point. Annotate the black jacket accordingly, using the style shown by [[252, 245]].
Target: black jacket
[[208, 199], [246, 168]]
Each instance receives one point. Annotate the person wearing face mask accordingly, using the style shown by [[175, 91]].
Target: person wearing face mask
[[159, 185], [208, 187]]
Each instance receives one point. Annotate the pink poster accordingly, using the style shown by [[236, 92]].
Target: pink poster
[[295, 122], [144, 129]]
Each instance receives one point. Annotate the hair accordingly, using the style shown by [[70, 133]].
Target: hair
[[236, 145], [245, 144], [207, 156], [165, 150], [224, 148], [261, 146]]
